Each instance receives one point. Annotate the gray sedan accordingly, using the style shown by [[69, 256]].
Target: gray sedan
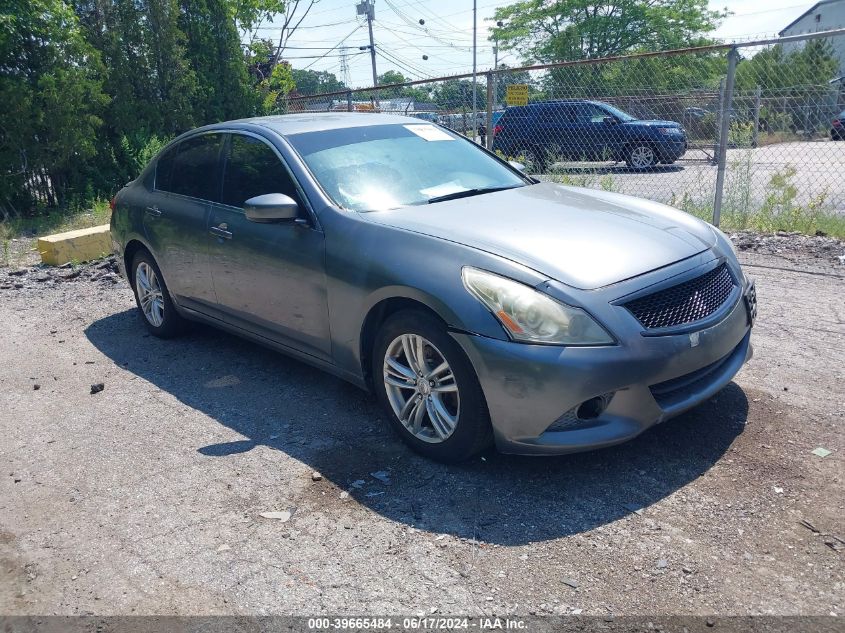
[[479, 305]]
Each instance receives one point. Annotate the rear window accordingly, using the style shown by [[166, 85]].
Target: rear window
[[516, 112], [191, 168], [556, 112]]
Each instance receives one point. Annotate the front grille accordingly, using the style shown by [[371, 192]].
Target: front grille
[[685, 303]]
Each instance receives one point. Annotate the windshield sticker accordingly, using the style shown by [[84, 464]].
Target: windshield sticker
[[429, 132]]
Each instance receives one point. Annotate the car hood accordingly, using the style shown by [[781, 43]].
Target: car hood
[[654, 123], [580, 237]]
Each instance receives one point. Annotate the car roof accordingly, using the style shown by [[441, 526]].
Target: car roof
[[537, 104], [300, 123]]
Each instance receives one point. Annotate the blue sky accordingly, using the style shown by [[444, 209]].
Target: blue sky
[[446, 36]]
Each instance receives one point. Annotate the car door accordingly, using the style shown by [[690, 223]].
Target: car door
[[268, 278], [555, 129], [596, 135], [187, 180]]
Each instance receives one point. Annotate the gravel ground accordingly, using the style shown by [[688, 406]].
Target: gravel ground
[[145, 498]]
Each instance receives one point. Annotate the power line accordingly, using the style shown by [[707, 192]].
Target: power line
[[351, 33], [393, 62], [316, 26], [399, 60], [425, 35], [413, 24], [426, 50], [407, 4], [445, 25], [316, 57]]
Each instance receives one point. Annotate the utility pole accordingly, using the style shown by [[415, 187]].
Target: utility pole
[[474, 55], [499, 24], [493, 75], [367, 7]]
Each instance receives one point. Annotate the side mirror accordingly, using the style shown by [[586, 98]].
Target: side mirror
[[271, 207], [610, 120], [517, 166]]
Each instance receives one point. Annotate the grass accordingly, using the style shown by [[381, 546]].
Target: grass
[[805, 221], [777, 207], [26, 228]]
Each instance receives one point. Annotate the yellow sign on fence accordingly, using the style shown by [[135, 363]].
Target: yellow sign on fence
[[517, 95]]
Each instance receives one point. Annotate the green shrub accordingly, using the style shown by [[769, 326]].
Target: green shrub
[[139, 150]]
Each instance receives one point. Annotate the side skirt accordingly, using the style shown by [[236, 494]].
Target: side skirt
[[330, 368]]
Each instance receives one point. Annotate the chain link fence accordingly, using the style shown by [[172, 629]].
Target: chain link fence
[[750, 135]]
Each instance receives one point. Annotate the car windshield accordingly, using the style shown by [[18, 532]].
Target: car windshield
[[379, 167], [619, 114]]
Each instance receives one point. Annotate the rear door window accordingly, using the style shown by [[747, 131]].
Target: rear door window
[[164, 169], [556, 113], [191, 168], [253, 169], [515, 112]]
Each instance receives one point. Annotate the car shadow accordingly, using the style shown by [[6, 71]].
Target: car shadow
[[333, 427]]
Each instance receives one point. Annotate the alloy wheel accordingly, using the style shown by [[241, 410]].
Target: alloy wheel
[[149, 294], [421, 388], [642, 156]]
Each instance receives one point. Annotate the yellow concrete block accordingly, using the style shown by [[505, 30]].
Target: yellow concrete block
[[79, 246]]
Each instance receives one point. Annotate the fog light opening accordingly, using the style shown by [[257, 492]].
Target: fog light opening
[[592, 408]]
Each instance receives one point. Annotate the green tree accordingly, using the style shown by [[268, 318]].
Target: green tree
[[250, 14], [213, 49], [51, 91], [794, 86], [411, 93], [279, 84], [665, 75], [152, 87], [774, 69], [455, 95], [312, 82], [564, 30]]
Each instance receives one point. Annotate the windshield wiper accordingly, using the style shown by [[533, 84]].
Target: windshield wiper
[[466, 193]]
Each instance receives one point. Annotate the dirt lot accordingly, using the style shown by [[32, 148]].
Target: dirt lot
[[145, 497]]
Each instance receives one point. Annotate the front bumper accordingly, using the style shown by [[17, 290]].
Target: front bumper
[[671, 149], [651, 378]]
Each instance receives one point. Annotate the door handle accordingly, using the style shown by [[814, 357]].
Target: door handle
[[154, 211], [221, 231]]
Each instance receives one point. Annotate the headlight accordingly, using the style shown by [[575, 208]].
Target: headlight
[[531, 316], [669, 130]]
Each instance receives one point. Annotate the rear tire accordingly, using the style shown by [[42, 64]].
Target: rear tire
[[421, 374], [153, 298], [534, 159]]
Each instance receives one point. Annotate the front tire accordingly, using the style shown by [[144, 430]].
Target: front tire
[[153, 299], [641, 156], [429, 388]]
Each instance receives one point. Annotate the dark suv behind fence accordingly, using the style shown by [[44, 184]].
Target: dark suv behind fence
[[581, 130]]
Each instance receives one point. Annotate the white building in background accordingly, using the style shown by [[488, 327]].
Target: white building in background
[[822, 16]]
